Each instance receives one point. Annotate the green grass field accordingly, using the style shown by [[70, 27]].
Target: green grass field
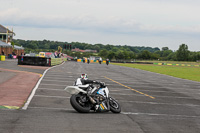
[[191, 73]]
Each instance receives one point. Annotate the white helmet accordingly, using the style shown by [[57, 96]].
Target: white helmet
[[84, 76]]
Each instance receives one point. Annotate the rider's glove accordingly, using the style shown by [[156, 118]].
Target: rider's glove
[[96, 82], [102, 83]]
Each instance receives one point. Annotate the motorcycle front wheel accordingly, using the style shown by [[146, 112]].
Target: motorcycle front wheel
[[78, 104], [114, 106]]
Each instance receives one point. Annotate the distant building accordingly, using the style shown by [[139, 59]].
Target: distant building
[[6, 35], [5, 48], [18, 50], [77, 50], [87, 50]]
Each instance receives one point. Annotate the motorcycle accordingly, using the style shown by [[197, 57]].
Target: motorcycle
[[89, 97], [107, 62], [88, 61]]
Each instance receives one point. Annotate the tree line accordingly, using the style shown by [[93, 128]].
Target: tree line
[[113, 52]]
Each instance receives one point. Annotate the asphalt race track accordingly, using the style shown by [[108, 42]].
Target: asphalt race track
[[151, 103]]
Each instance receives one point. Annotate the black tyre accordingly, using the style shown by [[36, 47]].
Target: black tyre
[[78, 105], [114, 106]]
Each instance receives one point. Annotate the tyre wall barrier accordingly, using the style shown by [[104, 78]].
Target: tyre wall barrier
[[2, 57], [39, 61], [35, 61], [91, 61]]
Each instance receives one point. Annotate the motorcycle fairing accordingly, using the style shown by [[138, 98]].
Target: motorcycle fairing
[[74, 90], [104, 106], [103, 91]]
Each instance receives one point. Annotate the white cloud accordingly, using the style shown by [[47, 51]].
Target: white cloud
[[15, 16], [127, 20]]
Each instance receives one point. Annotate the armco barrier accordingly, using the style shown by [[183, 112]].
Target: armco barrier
[[131, 62]]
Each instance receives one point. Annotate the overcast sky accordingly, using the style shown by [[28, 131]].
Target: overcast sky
[[154, 23]]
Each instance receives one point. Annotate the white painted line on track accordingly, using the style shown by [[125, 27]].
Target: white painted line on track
[[125, 113], [181, 91], [51, 96], [175, 97], [52, 108], [126, 94], [156, 103], [35, 88], [152, 114], [121, 90], [146, 90], [170, 92]]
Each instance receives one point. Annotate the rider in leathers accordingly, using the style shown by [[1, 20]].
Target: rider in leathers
[[83, 80]]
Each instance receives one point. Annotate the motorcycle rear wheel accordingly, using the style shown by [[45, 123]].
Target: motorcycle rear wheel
[[75, 101], [114, 106]]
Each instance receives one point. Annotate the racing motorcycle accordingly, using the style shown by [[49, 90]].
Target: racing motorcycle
[[89, 97]]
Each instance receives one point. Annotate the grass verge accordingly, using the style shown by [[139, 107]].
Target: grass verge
[[190, 73]]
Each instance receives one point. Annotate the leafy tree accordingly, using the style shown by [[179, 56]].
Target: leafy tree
[[166, 53], [144, 55], [110, 55], [97, 48], [126, 55], [165, 48], [103, 53], [171, 56], [114, 49], [119, 55], [135, 50], [155, 56], [32, 45], [108, 47], [87, 46], [194, 56], [182, 53], [132, 55], [99, 45]]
